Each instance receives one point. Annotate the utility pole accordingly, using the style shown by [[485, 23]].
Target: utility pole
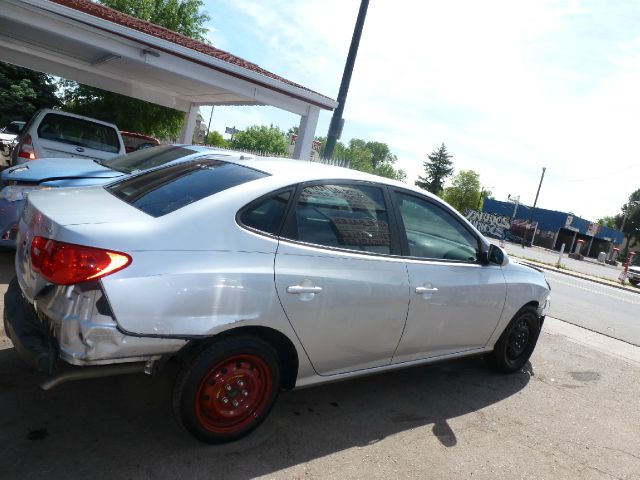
[[209, 126], [533, 209], [516, 202], [335, 127], [480, 199]]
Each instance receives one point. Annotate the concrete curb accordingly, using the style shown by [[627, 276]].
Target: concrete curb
[[592, 339], [581, 276]]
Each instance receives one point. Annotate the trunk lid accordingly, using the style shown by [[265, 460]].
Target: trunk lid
[[58, 168], [47, 214]]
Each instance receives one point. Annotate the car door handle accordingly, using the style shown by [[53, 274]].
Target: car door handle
[[297, 289], [422, 290]]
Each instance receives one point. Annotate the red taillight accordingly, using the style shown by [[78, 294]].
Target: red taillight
[[26, 149], [67, 264]]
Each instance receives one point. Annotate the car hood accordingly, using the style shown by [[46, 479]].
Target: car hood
[[58, 168], [634, 269], [7, 136]]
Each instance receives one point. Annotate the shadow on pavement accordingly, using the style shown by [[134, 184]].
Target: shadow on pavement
[[123, 427]]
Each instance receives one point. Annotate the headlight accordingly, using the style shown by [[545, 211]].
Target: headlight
[[16, 193]]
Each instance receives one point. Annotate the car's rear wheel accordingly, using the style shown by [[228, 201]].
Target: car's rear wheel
[[228, 389], [634, 282], [515, 346]]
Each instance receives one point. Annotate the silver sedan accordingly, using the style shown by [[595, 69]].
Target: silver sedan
[[256, 276]]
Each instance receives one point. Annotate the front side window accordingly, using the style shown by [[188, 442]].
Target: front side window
[[434, 233], [168, 189], [79, 132], [343, 216]]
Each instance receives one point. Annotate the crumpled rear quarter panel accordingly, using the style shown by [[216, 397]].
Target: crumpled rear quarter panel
[[86, 334], [195, 293]]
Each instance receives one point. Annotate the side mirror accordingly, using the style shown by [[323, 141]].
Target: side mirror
[[497, 256]]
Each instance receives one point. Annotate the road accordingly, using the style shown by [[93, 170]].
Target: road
[[586, 267], [607, 310]]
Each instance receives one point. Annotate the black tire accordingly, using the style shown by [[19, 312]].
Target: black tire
[[516, 344], [228, 389], [634, 282]]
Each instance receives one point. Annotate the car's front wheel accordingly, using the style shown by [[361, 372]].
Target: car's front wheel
[[634, 282], [515, 346], [228, 389]]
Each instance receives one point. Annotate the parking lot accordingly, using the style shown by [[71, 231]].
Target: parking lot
[[570, 414]]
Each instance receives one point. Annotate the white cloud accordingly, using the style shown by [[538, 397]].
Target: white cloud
[[509, 86]]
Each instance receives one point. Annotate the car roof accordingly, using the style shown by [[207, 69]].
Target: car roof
[[297, 171], [46, 111]]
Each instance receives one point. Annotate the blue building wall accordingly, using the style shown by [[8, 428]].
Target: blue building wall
[[550, 220]]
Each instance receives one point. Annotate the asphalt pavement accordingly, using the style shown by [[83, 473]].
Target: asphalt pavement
[[601, 308], [549, 258], [570, 414], [588, 269]]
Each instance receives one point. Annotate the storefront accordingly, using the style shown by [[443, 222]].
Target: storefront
[[552, 228]]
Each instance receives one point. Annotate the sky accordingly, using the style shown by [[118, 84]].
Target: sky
[[509, 86]]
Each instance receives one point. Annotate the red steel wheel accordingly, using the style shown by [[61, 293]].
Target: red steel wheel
[[228, 389], [234, 393]]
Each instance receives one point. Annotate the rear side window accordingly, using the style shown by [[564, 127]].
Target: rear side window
[[267, 214], [166, 190], [80, 132], [343, 216], [146, 158]]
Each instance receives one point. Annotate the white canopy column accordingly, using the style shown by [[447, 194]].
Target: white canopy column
[[306, 132], [189, 125]]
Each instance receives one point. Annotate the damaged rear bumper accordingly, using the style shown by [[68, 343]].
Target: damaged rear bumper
[[75, 324], [28, 334]]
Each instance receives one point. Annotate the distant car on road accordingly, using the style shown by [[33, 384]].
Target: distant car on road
[[58, 134], [19, 181], [260, 275], [633, 275]]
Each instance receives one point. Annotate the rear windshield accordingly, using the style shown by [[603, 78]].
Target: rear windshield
[[80, 132], [14, 128], [166, 190], [147, 158]]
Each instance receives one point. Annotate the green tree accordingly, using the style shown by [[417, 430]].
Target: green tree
[[631, 209], [23, 91], [262, 139], [182, 16], [437, 169], [370, 157], [130, 114], [216, 139], [610, 221], [464, 191]]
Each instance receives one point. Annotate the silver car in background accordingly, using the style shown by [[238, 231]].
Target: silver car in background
[[257, 276], [57, 134]]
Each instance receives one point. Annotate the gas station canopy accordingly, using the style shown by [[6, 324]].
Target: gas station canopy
[[97, 46]]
